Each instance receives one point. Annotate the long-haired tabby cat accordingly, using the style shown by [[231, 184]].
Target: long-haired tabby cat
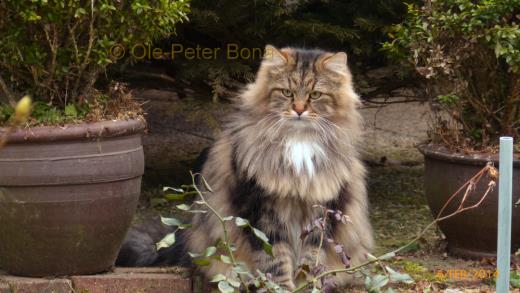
[[292, 144]]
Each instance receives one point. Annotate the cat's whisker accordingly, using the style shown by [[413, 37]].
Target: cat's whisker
[[326, 131], [344, 132], [330, 131], [337, 140], [273, 128], [266, 118], [278, 125], [323, 133], [332, 124]]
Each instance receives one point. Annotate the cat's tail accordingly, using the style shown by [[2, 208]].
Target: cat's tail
[[139, 247]]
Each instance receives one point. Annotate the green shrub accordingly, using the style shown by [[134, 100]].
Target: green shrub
[[55, 50], [469, 53], [357, 26]]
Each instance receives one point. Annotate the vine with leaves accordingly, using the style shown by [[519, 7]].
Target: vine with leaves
[[318, 278]]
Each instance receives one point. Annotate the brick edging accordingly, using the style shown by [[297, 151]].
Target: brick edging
[[124, 280]]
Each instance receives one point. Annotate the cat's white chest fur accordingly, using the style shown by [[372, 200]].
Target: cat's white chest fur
[[302, 155]]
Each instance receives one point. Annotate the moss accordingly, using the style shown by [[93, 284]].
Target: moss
[[418, 271]]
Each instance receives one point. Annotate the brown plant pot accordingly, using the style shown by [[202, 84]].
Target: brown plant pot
[[67, 196], [473, 233]]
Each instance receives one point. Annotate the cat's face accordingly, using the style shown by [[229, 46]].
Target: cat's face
[[304, 86]]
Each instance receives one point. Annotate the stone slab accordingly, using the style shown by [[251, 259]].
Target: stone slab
[[36, 285], [132, 283]]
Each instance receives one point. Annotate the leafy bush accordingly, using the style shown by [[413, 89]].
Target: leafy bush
[[55, 50], [469, 51], [357, 26]]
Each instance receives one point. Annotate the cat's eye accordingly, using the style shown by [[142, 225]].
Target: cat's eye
[[315, 95], [287, 93]]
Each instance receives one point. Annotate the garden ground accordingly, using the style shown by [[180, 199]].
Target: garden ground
[[399, 212]]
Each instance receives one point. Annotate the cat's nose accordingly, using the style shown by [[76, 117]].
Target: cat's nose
[[299, 108]]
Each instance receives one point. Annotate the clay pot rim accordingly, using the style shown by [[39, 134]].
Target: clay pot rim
[[440, 152], [82, 131]]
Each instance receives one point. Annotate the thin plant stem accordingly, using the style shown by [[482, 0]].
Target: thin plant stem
[[7, 92], [322, 235], [223, 223], [469, 185]]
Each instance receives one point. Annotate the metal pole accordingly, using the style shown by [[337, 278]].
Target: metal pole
[[505, 202]]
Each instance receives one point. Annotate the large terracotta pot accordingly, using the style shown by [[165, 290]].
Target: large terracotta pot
[[473, 233], [67, 196]]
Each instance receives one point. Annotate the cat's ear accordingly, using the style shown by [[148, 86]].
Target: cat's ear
[[336, 62], [275, 57]]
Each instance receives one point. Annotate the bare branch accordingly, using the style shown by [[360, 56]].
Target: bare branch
[[7, 92]]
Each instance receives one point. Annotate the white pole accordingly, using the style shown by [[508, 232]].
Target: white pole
[[505, 202]]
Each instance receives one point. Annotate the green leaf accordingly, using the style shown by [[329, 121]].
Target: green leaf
[[71, 111], [368, 281], [183, 207], [184, 226], [240, 269], [224, 287], [167, 241], [202, 262], [371, 257], [399, 277], [387, 256], [515, 279], [170, 221], [228, 218], [234, 283], [226, 259], [80, 11], [260, 235], [377, 282], [197, 211], [268, 248], [165, 188], [498, 49], [240, 222], [210, 251], [175, 196], [218, 278]]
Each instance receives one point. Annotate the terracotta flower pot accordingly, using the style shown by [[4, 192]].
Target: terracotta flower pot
[[473, 233], [67, 196]]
